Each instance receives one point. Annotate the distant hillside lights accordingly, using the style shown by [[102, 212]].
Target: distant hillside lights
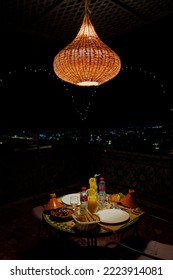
[[156, 146], [151, 139], [110, 142]]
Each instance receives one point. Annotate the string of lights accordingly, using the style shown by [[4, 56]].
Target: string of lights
[[149, 73], [83, 111]]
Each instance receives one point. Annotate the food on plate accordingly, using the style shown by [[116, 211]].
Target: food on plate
[[115, 197], [64, 213]]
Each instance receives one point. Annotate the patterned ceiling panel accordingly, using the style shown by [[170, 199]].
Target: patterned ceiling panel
[[60, 20]]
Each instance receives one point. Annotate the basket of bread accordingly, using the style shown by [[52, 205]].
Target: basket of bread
[[86, 222]]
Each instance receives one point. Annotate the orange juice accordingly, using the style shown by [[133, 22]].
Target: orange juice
[[92, 203]]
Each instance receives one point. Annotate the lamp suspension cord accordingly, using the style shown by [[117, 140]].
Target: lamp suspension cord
[[87, 11]]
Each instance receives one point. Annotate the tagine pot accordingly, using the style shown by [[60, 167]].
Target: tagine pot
[[129, 200], [53, 203]]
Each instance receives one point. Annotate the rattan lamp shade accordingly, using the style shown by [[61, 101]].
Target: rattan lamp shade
[[86, 61]]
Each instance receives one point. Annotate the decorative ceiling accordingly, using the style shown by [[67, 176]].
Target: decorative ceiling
[[59, 20]]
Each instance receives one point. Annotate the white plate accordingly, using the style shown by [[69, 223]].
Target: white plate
[[113, 216], [66, 198]]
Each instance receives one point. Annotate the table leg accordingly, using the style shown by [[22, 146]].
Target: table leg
[[92, 241]]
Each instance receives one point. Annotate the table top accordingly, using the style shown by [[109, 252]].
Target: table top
[[70, 226]]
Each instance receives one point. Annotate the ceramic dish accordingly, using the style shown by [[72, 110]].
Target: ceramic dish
[[53, 203], [63, 214], [113, 216], [66, 198]]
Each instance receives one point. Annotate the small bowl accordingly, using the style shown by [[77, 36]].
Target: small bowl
[[62, 214]]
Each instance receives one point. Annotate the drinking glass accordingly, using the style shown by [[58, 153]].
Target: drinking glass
[[92, 203], [74, 200]]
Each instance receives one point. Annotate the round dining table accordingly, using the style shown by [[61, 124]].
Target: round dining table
[[68, 228]]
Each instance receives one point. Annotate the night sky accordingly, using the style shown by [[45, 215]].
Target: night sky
[[32, 97]]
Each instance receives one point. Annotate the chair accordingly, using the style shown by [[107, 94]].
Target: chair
[[150, 241], [37, 212], [158, 249], [140, 248]]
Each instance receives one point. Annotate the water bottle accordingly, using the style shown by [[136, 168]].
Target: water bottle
[[102, 191], [83, 201]]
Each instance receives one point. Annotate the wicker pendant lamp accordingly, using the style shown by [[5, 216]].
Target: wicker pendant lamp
[[86, 61]]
